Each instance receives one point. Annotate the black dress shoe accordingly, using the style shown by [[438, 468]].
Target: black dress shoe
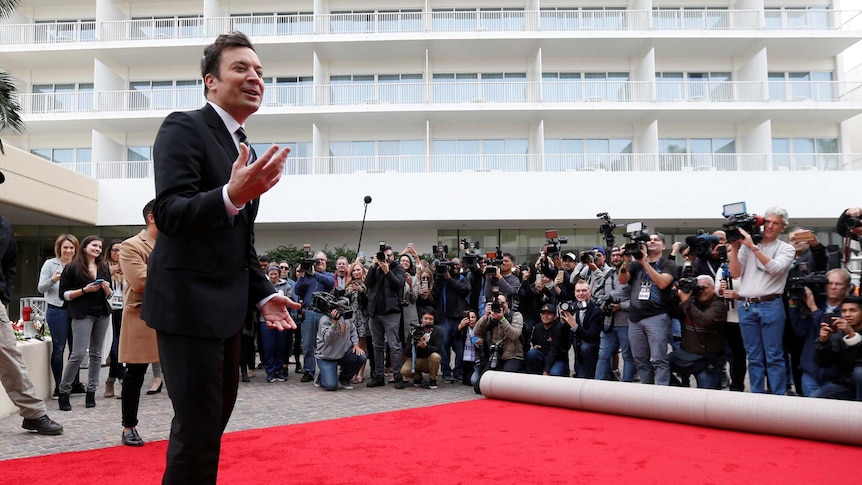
[[378, 382], [63, 400], [132, 438], [43, 425], [90, 400], [244, 379], [307, 377]]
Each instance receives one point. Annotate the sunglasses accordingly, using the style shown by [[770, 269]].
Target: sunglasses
[[284, 267]]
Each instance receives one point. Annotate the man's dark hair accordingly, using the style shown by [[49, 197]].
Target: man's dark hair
[[148, 209], [211, 60], [508, 255], [428, 311], [264, 259]]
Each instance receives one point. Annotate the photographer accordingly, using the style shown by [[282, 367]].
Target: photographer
[[762, 270], [593, 269], [701, 351], [385, 283], [528, 302], [840, 344], [501, 328], [450, 296], [337, 346], [549, 345], [650, 278], [805, 317], [709, 263], [311, 280], [428, 345], [615, 334], [504, 278], [585, 324], [562, 272]]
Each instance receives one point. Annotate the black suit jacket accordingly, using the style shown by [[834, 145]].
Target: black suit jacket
[[589, 329], [203, 277]]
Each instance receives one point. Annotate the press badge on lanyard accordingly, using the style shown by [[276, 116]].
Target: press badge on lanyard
[[646, 287]]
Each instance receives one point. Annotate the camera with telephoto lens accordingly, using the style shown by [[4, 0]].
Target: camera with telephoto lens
[[381, 251], [323, 303], [307, 264], [701, 244], [737, 218], [853, 222], [587, 257], [495, 350], [638, 235], [607, 229], [443, 267], [568, 307], [689, 285], [801, 277], [605, 303], [496, 306], [554, 244], [470, 259]]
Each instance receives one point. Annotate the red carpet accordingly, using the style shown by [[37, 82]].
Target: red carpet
[[483, 441]]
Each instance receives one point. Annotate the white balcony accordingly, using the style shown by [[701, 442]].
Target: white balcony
[[381, 96], [428, 22], [511, 163]]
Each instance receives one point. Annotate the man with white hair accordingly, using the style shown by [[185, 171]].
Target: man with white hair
[[701, 351], [762, 269]]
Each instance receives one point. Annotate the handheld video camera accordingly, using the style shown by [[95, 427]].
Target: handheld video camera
[[801, 277], [554, 243], [607, 229], [701, 244], [307, 264], [470, 260], [638, 235], [736, 217], [417, 332], [493, 261], [323, 303]]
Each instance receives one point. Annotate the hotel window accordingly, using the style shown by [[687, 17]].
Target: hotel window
[[48, 31], [697, 154], [591, 86], [690, 18], [377, 156], [479, 87], [167, 27], [288, 91], [801, 86], [694, 86], [584, 18], [813, 17], [507, 155], [61, 97], [477, 19], [77, 159], [805, 154], [562, 154], [162, 95]]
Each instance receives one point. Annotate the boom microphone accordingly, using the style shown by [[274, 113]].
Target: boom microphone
[[367, 200]]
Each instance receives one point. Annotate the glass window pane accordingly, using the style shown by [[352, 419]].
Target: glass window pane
[[63, 155]]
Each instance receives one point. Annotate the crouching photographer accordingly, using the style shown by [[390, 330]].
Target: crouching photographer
[[549, 345], [424, 352], [840, 344], [337, 342], [701, 351], [500, 330]]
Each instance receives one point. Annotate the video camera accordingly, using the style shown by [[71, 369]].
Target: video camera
[[607, 229], [307, 264], [801, 278], [638, 235], [417, 332], [470, 260], [323, 303], [701, 244], [493, 261], [736, 217], [442, 266], [554, 243]]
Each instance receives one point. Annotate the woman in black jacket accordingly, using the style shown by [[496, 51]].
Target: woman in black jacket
[[85, 286]]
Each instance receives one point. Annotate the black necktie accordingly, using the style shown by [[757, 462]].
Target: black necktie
[[240, 133]]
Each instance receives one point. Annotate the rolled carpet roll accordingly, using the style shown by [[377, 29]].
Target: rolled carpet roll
[[815, 419]]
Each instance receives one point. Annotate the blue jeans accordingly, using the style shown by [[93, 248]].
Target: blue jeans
[[449, 326], [648, 340], [762, 326], [60, 326], [618, 338], [586, 360], [534, 363], [309, 339], [809, 384], [844, 392], [350, 365], [274, 349]]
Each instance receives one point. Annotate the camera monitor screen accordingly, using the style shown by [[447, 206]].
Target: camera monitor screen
[[634, 226], [550, 234], [733, 209]]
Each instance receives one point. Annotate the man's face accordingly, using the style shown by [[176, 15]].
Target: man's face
[[853, 314], [456, 264], [320, 264], [773, 225], [264, 265], [655, 244], [427, 321], [547, 317], [600, 258], [836, 288], [388, 254], [616, 258], [238, 89], [568, 264], [799, 246], [708, 291], [507, 264], [504, 303], [341, 266], [582, 292]]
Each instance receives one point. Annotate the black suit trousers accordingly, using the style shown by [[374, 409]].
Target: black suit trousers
[[204, 375]]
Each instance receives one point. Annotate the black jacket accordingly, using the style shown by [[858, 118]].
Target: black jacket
[[8, 260], [435, 345], [590, 327], [456, 288], [385, 290], [92, 303]]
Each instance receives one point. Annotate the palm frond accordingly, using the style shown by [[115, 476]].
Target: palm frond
[[7, 7], [10, 108]]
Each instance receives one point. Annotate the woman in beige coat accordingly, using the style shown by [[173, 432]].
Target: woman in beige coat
[[138, 346]]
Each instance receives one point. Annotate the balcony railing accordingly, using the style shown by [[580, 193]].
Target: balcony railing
[[512, 163], [421, 22], [472, 93]]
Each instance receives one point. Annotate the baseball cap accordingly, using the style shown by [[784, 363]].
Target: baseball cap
[[549, 307], [599, 249], [571, 256]]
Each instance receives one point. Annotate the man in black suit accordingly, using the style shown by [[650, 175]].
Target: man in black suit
[[585, 320], [203, 275]]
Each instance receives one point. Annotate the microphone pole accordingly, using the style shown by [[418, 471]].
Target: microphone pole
[[362, 228]]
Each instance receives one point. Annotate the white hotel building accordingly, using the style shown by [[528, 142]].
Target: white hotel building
[[486, 120]]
